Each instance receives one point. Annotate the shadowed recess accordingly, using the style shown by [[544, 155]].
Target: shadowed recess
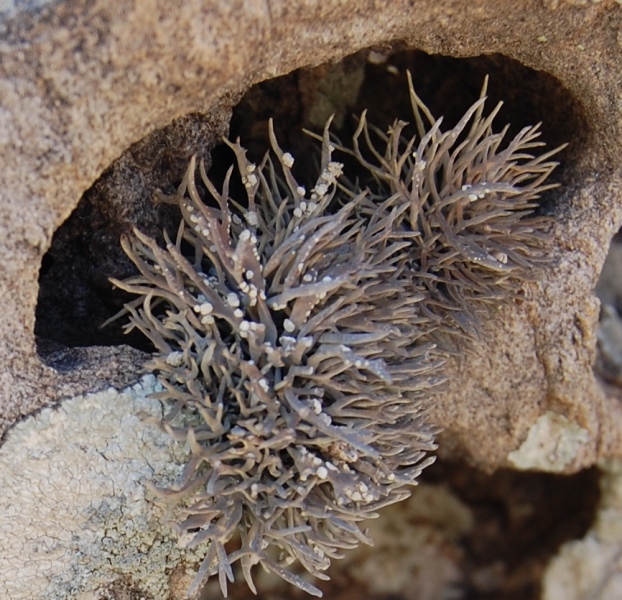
[[75, 295], [521, 519]]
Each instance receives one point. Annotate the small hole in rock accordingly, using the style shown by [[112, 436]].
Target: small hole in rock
[[75, 294], [376, 82], [521, 519]]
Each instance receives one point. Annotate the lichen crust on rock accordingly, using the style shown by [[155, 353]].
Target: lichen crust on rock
[[75, 515], [552, 444]]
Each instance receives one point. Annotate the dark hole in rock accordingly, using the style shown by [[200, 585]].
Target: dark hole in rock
[[521, 519], [376, 82], [608, 365], [76, 296]]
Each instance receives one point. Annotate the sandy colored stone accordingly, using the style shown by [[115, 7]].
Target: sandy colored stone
[[80, 82]]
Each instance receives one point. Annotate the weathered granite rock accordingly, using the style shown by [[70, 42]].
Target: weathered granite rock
[[82, 81]]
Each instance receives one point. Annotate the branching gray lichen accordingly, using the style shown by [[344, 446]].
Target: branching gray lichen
[[470, 197], [294, 329]]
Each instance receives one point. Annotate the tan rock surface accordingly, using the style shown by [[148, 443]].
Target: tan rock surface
[[80, 82]]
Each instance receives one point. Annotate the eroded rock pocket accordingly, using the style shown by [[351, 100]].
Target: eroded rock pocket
[[75, 295]]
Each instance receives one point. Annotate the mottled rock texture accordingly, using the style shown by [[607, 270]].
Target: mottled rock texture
[[81, 82]]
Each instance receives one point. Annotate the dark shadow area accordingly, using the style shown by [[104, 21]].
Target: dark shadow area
[[305, 99], [521, 521], [75, 293], [76, 296]]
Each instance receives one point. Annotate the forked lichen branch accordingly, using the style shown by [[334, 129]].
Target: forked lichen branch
[[300, 334]]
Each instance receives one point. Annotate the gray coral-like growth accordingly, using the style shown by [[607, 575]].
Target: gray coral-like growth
[[470, 196], [294, 329]]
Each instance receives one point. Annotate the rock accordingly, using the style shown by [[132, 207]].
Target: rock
[[590, 567], [85, 83]]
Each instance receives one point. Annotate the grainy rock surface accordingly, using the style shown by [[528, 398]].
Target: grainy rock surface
[[82, 82]]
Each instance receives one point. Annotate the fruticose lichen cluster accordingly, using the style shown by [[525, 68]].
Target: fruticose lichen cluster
[[301, 332]]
